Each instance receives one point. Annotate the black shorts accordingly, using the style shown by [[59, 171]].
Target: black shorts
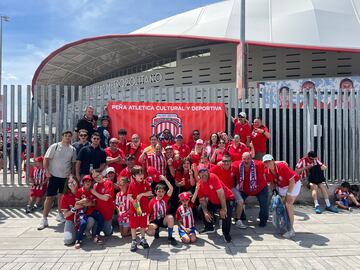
[[56, 185], [159, 223], [315, 181]]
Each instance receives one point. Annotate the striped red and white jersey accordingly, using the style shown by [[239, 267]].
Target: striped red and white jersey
[[158, 162], [185, 215], [122, 203], [304, 162], [158, 208], [39, 178]]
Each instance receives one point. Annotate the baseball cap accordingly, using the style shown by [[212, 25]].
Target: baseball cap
[[168, 147], [130, 157], [105, 117], [154, 174], [39, 159], [179, 136], [242, 114], [184, 196], [267, 157], [199, 141], [203, 169], [87, 178], [110, 169]]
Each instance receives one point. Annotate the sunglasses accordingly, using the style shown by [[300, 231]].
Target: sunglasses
[[113, 142], [196, 134], [226, 161], [73, 183], [83, 135], [96, 138], [221, 142]]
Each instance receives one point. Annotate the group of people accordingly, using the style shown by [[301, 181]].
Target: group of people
[[109, 182]]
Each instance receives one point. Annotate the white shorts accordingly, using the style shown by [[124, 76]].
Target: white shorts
[[295, 192]]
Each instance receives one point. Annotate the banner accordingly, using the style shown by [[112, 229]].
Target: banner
[[147, 118]]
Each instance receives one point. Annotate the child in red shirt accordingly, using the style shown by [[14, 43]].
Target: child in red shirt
[[138, 192], [122, 204], [38, 181], [185, 218], [158, 207]]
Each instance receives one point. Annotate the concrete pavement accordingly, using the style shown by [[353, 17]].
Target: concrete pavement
[[326, 241]]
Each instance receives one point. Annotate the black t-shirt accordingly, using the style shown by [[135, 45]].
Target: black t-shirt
[[90, 155], [78, 146], [104, 136], [83, 123]]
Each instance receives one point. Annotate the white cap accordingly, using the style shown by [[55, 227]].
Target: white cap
[[109, 169], [242, 114], [267, 157], [199, 141]]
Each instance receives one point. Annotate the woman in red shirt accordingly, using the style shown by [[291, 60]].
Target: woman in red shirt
[[184, 176], [212, 144], [218, 153], [198, 152], [287, 182]]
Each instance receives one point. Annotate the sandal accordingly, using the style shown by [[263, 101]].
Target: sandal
[[77, 244], [98, 240]]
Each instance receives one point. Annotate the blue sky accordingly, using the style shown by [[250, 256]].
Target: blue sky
[[38, 27]]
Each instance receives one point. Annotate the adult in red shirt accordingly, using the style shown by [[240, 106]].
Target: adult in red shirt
[[184, 176], [115, 157], [130, 163], [251, 182], [242, 128], [183, 149], [212, 144], [198, 152], [214, 194], [219, 152], [288, 184], [166, 138], [237, 149], [135, 148], [156, 160], [196, 136], [122, 133], [259, 135], [103, 190]]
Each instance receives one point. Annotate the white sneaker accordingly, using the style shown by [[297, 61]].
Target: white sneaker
[[60, 217], [289, 234], [43, 224], [240, 225]]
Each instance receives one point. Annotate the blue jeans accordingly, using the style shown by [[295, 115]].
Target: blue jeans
[[262, 197], [83, 223]]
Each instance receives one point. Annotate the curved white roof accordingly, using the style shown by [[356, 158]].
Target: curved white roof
[[319, 23]]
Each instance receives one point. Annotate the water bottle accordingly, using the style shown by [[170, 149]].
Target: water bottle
[[138, 208], [91, 168]]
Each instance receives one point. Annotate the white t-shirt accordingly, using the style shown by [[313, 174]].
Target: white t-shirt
[[60, 158]]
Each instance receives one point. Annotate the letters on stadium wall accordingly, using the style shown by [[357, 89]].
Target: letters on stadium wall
[[147, 118]]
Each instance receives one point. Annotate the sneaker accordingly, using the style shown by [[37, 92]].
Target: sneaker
[[143, 243], [60, 218], [227, 238], [28, 209], [331, 209], [43, 224], [289, 234], [207, 230], [172, 241], [133, 247], [35, 208], [240, 225], [350, 209], [317, 209], [77, 244]]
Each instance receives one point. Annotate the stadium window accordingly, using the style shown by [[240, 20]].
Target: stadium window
[[195, 54]]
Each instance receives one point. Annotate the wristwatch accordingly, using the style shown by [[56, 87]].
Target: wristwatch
[[288, 193]]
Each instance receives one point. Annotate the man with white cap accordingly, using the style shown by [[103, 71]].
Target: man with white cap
[[287, 182], [179, 146], [213, 195], [242, 128]]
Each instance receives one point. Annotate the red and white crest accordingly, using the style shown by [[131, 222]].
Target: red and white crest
[[169, 121]]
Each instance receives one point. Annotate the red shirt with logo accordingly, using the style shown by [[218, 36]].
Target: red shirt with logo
[[184, 150], [105, 208], [180, 176], [86, 194], [125, 172], [304, 162], [135, 188], [209, 189], [259, 140], [186, 216], [67, 201], [122, 203], [117, 166], [158, 208], [281, 175], [236, 152], [226, 176], [260, 178], [244, 130]]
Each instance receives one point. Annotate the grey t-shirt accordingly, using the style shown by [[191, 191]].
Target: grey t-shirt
[[60, 158]]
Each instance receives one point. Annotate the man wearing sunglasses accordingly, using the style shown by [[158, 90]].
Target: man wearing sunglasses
[[242, 128], [90, 155], [83, 140]]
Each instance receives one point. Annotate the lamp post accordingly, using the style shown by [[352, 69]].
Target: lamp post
[[5, 19]]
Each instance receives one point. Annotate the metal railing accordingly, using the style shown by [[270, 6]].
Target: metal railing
[[324, 120]]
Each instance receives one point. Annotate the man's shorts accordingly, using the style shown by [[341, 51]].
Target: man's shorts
[[138, 221], [182, 232], [159, 223], [56, 185], [237, 194]]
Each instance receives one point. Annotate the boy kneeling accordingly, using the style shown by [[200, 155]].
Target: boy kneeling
[[185, 217], [158, 212]]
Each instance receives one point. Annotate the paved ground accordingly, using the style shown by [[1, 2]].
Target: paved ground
[[326, 241]]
